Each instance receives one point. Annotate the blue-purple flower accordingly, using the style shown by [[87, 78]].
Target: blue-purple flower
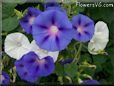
[[90, 82], [84, 28], [27, 20], [66, 61], [57, 8], [30, 67], [4, 78], [52, 30], [53, 5]]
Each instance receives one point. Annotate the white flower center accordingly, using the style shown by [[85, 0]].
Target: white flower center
[[18, 44], [42, 61], [80, 30], [31, 20], [54, 30]]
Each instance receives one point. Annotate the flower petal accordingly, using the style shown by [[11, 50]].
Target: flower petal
[[43, 53], [16, 45], [51, 3], [100, 38], [53, 24], [47, 67], [90, 82], [84, 28], [30, 67], [4, 78], [27, 21], [54, 5], [102, 27]]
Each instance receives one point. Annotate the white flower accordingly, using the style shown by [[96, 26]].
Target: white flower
[[43, 53], [100, 39], [16, 45]]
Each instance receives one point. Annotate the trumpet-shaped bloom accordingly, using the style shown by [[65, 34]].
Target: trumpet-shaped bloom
[[52, 30], [100, 39], [30, 67], [4, 78], [27, 21], [43, 53], [16, 45], [90, 82], [84, 28]]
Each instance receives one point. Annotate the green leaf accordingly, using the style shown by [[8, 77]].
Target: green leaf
[[9, 24], [71, 69], [112, 58], [77, 9], [98, 67], [85, 57], [59, 69], [18, 13], [108, 67], [100, 59], [16, 1], [8, 9]]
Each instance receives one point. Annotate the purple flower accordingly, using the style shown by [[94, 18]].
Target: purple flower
[[84, 28], [27, 21], [30, 67], [90, 82], [66, 61], [57, 8], [52, 30], [4, 78], [51, 3]]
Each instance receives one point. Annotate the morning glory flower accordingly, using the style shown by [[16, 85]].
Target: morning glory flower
[[16, 45], [31, 68], [27, 21], [43, 53], [52, 30], [53, 5], [90, 82], [4, 78], [84, 28], [100, 39]]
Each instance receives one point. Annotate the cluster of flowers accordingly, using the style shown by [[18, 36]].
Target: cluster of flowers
[[52, 31]]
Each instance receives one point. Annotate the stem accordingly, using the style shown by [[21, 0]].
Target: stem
[[75, 47], [77, 56], [60, 79], [85, 47], [68, 78]]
